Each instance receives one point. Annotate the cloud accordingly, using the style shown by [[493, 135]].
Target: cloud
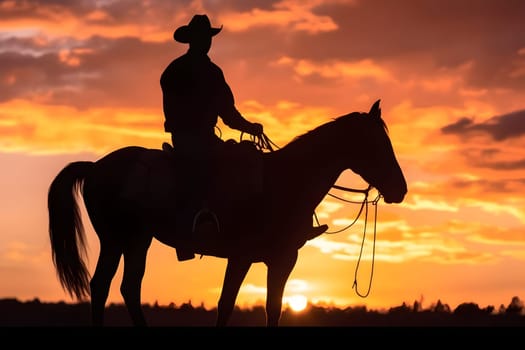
[[40, 128], [93, 73], [495, 208], [487, 186], [503, 165], [460, 195], [485, 34], [101, 51], [289, 15], [149, 20], [499, 128], [337, 69], [297, 285], [418, 203], [16, 252]]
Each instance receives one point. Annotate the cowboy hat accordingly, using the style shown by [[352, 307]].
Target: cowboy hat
[[198, 27]]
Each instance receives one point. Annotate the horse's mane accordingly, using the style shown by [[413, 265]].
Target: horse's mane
[[326, 133]]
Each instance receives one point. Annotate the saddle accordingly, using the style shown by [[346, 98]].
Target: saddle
[[235, 166], [157, 185], [234, 181]]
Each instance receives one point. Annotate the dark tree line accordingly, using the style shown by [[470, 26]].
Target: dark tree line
[[15, 313]]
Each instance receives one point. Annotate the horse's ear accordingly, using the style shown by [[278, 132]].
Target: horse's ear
[[375, 111]]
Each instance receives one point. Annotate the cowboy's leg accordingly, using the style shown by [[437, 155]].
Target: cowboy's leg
[[187, 210]]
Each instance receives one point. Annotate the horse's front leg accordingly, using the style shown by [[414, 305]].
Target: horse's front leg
[[236, 270], [279, 269]]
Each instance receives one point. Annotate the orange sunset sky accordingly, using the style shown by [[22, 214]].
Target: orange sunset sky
[[79, 79]]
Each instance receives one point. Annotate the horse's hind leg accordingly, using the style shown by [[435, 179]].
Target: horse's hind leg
[[135, 253], [107, 265], [235, 272]]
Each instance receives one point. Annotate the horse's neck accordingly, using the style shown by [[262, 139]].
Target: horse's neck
[[305, 177]]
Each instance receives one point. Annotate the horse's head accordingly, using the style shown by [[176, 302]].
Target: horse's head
[[376, 161]]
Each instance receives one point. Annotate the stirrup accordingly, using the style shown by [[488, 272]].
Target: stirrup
[[205, 211]]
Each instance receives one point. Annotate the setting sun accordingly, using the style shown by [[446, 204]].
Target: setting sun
[[296, 302]]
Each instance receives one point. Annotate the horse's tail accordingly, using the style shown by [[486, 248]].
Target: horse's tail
[[66, 232]]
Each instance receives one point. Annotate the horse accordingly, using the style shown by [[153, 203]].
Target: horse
[[130, 198]]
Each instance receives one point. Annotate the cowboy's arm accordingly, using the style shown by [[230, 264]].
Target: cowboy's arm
[[231, 116]]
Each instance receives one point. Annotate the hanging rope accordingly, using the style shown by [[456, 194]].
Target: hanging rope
[[374, 202]]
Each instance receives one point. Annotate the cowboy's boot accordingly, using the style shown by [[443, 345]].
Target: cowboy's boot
[[316, 231]]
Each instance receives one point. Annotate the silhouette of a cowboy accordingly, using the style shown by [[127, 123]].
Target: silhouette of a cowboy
[[195, 93]]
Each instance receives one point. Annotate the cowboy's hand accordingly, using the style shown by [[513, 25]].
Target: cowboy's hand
[[256, 129]]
